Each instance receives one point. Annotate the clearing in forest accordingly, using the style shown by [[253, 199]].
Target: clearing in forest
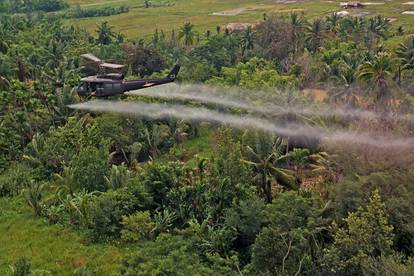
[[207, 14]]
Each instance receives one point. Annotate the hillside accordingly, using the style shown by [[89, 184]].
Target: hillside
[[150, 138]]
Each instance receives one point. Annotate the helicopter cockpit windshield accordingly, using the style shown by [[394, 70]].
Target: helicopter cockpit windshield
[[83, 89], [86, 88]]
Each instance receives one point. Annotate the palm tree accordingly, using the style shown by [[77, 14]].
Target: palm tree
[[333, 22], [378, 26], [405, 53], [186, 32], [314, 34], [265, 158], [118, 177], [105, 33], [34, 196], [378, 72], [353, 27], [296, 22], [247, 40], [156, 137], [66, 182], [325, 166], [347, 76]]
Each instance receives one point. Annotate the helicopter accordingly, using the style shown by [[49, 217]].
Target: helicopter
[[113, 84]]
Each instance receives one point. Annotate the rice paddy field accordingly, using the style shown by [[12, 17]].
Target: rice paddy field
[[207, 14]]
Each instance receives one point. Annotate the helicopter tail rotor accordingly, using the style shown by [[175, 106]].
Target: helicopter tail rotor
[[174, 72]]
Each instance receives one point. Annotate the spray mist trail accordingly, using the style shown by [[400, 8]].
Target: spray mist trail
[[162, 111], [233, 98]]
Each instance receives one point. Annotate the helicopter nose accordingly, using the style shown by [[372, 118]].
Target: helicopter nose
[[81, 91]]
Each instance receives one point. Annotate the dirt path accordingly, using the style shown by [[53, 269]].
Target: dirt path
[[232, 12]]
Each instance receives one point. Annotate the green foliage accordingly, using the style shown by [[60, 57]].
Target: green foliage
[[160, 178], [173, 255], [79, 12], [137, 227], [164, 221], [21, 116], [379, 73], [202, 216], [298, 156], [229, 180], [389, 265], [367, 233], [32, 5], [291, 241], [219, 51], [246, 218], [187, 34], [107, 210], [265, 157], [84, 271], [254, 74], [90, 168], [22, 267], [118, 177], [105, 33], [14, 179], [34, 196]]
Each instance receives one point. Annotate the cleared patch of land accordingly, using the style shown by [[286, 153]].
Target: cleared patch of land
[[207, 14], [230, 12]]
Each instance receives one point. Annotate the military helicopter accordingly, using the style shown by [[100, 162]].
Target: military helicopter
[[111, 84]]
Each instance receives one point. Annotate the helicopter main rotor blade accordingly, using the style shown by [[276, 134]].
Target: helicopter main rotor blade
[[92, 58], [112, 65]]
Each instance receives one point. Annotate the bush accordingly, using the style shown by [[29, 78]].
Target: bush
[[32, 5], [89, 168], [160, 178], [22, 267], [13, 180], [107, 210], [171, 255], [137, 227]]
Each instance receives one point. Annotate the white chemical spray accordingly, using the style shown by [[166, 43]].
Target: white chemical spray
[[255, 101], [162, 111]]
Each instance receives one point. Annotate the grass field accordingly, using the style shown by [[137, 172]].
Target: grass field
[[57, 249], [140, 21]]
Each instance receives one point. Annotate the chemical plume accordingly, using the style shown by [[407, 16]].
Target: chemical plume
[[256, 101], [162, 111]]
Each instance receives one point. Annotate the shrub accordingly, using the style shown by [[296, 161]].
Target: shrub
[[79, 12], [137, 227], [89, 168], [160, 178], [22, 267], [172, 255], [107, 210], [14, 179]]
